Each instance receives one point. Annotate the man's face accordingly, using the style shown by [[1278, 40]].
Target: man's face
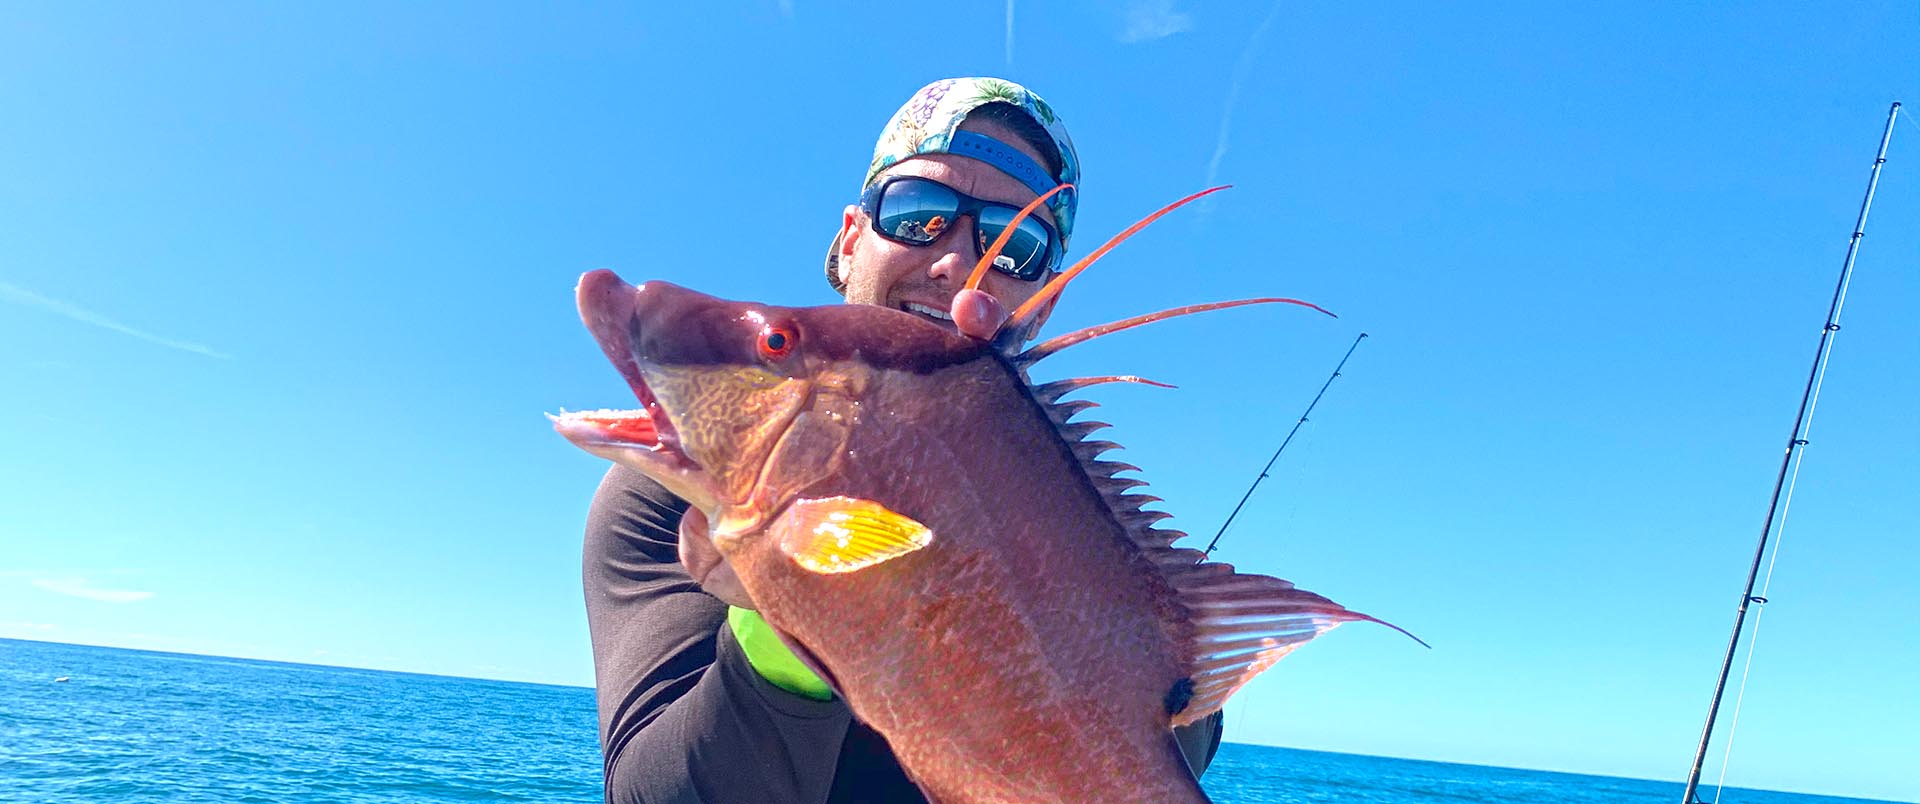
[[922, 279]]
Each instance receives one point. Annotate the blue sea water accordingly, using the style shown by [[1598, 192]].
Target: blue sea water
[[140, 726]]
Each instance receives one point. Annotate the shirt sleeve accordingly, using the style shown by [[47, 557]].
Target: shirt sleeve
[[683, 716]]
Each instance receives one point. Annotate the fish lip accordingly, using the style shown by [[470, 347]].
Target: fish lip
[[607, 308], [606, 304], [597, 432], [602, 430]]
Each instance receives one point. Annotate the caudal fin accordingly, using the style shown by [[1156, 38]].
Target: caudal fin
[[1242, 625]]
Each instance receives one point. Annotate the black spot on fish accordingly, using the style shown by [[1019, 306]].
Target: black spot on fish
[[1179, 696]]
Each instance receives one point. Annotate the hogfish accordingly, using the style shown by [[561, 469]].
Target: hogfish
[[938, 536]]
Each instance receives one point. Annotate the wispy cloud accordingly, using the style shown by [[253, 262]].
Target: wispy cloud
[[22, 627], [1009, 33], [80, 587], [1146, 20], [19, 295], [1240, 73]]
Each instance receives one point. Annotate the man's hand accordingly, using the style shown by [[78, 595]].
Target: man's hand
[[704, 562]]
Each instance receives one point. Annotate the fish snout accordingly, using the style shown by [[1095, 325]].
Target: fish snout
[[602, 296]]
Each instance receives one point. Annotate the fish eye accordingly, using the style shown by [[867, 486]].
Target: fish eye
[[776, 342]]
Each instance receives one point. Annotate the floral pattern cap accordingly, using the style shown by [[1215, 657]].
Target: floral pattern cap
[[925, 125]]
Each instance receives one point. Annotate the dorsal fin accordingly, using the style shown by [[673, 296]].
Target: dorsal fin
[[1052, 391], [980, 268], [1110, 468], [1230, 626], [1090, 450], [1064, 411], [1143, 520], [1078, 431], [1165, 537], [1032, 306], [1056, 343]]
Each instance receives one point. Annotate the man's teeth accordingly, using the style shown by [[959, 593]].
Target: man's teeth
[[927, 311]]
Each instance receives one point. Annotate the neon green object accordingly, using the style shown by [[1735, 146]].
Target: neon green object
[[771, 658]]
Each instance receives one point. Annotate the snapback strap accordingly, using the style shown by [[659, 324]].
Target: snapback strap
[[1003, 156]]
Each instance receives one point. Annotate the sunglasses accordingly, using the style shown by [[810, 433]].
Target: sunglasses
[[916, 211]]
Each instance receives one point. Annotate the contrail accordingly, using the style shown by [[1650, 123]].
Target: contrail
[[1009, 33], [1147, 20], [1240, 72], [79, 587], [19, 295]]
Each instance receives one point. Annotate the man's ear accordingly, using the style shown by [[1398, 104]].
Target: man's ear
[[850, 229], [849, 237]]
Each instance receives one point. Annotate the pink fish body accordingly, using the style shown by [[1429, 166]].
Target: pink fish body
[[934, 534]]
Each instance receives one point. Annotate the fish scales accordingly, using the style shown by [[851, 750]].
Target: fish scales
[[930, 531], [996, 646]]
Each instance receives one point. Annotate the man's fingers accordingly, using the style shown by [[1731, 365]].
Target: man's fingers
[[704, 562]]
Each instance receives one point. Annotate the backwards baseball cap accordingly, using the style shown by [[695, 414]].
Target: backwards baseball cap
[[929, 123]]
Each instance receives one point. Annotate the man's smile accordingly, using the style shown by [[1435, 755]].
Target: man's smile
[[936, 314]]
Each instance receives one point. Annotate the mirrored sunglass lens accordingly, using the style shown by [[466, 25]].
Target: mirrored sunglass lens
[[917, 211], [1025, 254]]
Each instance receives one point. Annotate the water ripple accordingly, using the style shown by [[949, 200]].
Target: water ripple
[[138, 726]]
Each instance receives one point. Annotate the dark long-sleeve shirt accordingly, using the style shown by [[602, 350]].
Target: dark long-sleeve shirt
[[683, 716]]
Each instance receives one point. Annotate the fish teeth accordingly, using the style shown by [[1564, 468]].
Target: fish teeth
[[602, 413]]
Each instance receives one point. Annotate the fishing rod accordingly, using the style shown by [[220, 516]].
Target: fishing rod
[[1795, 441], [1283, 446]]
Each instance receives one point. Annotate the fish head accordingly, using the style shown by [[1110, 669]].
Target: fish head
[[743, 405]]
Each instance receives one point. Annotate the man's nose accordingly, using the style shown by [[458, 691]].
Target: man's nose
[[957, 248]]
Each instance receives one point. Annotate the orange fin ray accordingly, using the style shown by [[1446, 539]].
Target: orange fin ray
[[993, 252], [1022, 314], [1058, 388], [1055, 344]]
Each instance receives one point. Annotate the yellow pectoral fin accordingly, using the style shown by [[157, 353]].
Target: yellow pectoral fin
[[843, 534]]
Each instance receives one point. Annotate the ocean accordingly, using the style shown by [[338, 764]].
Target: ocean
[[133, 726]]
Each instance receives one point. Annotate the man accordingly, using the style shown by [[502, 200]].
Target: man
[[699, 701]]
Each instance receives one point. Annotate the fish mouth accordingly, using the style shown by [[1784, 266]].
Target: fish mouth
[[608, 428], [643, 438]]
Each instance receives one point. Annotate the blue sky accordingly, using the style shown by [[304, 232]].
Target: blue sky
[[284, 292]]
